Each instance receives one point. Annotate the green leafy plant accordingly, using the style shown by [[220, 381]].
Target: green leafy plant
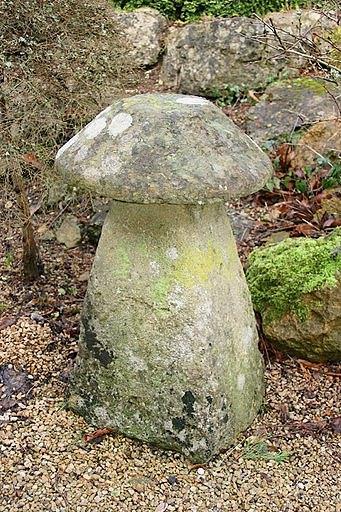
[[8, 259], [228, 95], [257, 449], [325, 173], [3, 307], [192, 9]]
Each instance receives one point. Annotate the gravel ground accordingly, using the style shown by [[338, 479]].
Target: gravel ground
[[47, 466]]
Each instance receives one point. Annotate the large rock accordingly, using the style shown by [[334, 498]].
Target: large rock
[[210, 56], [322, 139], [296, 287], [144, 30], [292, 104]]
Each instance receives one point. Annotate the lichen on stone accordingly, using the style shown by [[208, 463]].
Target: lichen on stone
[[335, 38], [311, 84], [279, 275]]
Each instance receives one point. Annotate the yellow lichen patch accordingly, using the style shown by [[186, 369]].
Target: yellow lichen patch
[[194, 266], [316, 86]]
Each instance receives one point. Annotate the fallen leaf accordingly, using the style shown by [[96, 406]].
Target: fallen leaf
[[304, 229], [7, 322], [252, 95], [309, 427], [332, 223], [308, 364], [97, 434], [31, 159], [335, 424]]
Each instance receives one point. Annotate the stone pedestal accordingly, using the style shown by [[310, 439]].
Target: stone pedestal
[[168, 345]]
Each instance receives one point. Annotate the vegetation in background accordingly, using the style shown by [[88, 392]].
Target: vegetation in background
[[257, 449], [191, 9], [60, 64], [325, 174]]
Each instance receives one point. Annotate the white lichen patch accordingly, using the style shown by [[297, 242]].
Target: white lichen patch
[[154, 268], [102, 415], [176, 298], [67, 145], [192, 100], [81, 153], [95, 127], [172, 253], [111, 166], [240, 381], [120, 123], [136, 362], [248, 338]]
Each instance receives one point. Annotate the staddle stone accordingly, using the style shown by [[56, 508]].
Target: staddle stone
[[168, 346]]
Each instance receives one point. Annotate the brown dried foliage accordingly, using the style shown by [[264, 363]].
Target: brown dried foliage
[[61, 62]]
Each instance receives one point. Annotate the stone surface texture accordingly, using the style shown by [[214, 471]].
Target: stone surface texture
[[323, 138], [292, 104], [144, 29], [164, 148], [207, 57], [69, 232], [318, 337], [168, 345], [296, 287]]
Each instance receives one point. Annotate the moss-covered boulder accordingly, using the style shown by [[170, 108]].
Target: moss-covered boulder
[[295, 286]]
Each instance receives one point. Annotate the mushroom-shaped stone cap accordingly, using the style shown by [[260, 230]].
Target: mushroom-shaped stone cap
[[164, 148]]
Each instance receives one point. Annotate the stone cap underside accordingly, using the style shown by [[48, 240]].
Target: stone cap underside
[[164, 148]]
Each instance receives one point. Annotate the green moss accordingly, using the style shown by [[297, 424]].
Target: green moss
[[315, 86], [124, 267], [279, 275]]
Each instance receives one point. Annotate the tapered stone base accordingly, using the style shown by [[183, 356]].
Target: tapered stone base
[[168, 345]]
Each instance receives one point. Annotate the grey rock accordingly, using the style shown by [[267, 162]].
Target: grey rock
[[144, 30], [241, 224], [291, 104], [69, 232], [57, 191], [206, 57], [203, 58], [37, 317], [164, 148]]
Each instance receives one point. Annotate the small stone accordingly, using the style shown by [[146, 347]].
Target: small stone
[[37, 317], [84, 277], [69, 232], [172, 480], [201, 471]]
